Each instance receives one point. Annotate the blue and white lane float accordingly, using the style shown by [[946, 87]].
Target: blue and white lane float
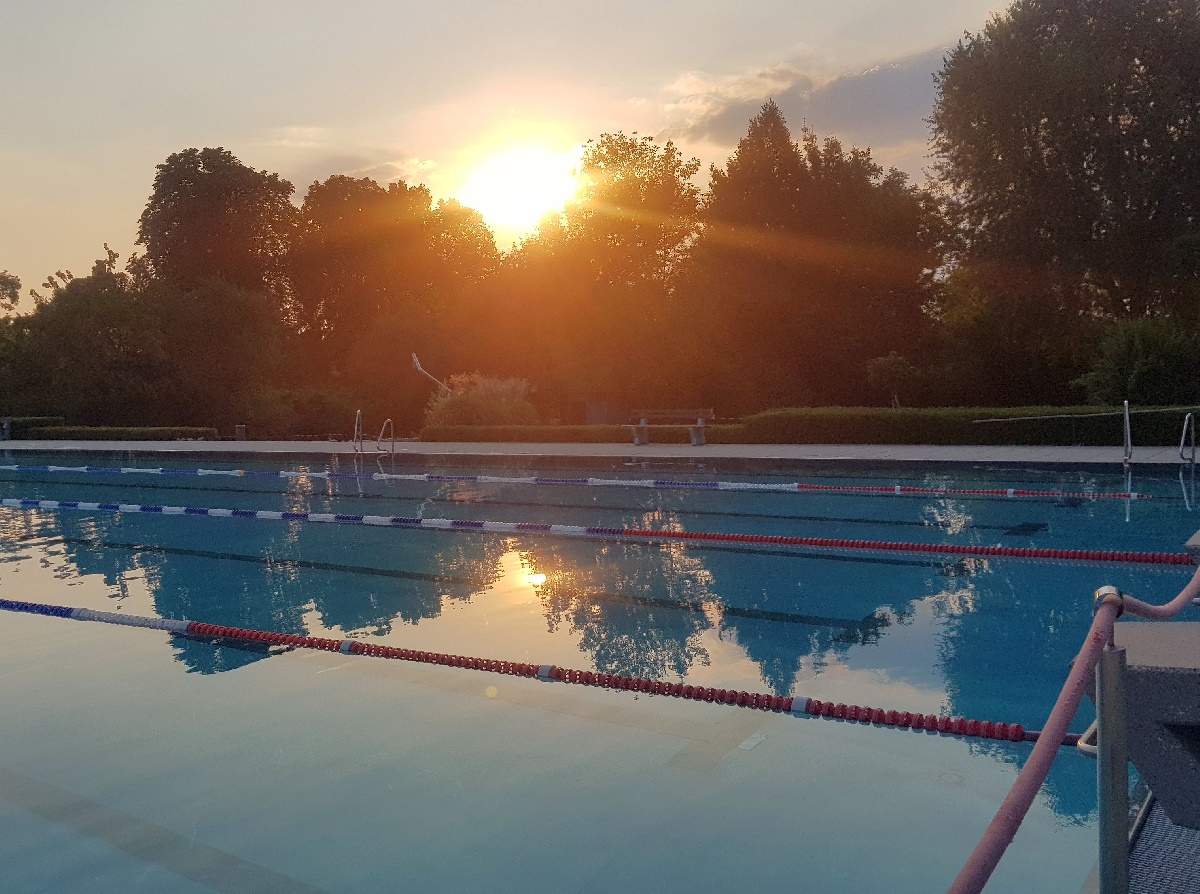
[[637, 534], [797, 705], [653, 483]]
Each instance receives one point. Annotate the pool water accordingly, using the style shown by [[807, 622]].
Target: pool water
[[133, 760]]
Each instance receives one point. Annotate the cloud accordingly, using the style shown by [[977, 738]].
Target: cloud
[[309, 168], [410, 170], [884, 107], [298, 136]]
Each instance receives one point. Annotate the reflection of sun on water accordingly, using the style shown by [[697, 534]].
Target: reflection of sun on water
[[514, 189]]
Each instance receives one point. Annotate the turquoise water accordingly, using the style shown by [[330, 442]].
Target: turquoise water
[[224, 768]]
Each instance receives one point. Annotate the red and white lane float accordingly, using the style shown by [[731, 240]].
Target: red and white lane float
[[797, 705], [624, 533]]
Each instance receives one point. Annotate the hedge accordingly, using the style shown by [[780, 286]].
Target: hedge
[[574, 434], [20, 426], [1050, 426], [1055, 426], [122, 433]]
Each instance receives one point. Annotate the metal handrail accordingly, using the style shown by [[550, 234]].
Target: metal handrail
[[391, 430], [417, 366], [1189, 425], [1080, 415], [358, 431]]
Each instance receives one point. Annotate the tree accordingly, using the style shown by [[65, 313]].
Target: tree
[[10, 291], [812, 260], [362, 250], [759, 189], [104, 349], [636, 210], [378, 272], [892, 374], [1069, 138], [1004, 336], [593, 286], [1145, 361], [211, 217]]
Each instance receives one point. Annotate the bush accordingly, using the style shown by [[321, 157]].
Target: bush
[[1145, 361], [122, 433], [474, 399]]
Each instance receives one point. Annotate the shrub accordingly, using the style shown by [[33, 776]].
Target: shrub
[[1145, 361], [475, 399]]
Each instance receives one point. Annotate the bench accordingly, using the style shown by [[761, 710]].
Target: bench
[[694, 420]]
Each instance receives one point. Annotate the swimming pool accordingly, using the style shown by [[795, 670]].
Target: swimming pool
[[133, 760]]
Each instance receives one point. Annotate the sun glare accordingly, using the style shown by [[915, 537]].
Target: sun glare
[[517, 187]]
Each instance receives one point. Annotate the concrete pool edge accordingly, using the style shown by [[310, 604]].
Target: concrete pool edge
[[746, 458]]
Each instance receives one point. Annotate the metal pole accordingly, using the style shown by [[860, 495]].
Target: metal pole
[[417, 366], [1128, 437], [1112, 772]]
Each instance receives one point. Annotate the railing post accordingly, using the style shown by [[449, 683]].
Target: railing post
[[1128, 439], [1112, 771]]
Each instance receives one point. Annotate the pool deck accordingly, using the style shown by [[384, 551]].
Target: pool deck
[[756, 457]]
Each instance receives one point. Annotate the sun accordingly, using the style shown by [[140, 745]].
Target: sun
[[516, 187]]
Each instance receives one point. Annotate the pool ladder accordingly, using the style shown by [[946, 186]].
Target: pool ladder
[[390, 430], [387, 431]]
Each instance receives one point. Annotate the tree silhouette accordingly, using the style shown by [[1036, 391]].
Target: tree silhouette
[[362, 250], [1068, 135], [10, 291], [105, 349], [598, 278], [812, 261], [211, 217]]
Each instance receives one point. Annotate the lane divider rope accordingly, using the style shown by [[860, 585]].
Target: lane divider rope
[[642, 534], [656, 483], [797, 705]]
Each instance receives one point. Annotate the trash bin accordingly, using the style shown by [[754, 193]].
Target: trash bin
[[239, 432]]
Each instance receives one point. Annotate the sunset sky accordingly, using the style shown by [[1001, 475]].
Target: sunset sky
[[94, 95]]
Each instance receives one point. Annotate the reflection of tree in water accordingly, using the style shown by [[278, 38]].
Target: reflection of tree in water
[[640, 608], [829, 605], [455, 566], [75, 532], [630, 638], [269, 577], [1006, 652]]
